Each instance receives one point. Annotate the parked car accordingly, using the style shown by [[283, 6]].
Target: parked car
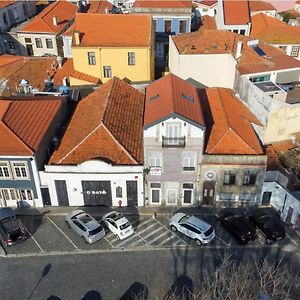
[[239, 225], [11, 228], [193, 227], [269, 225], [118, 224], [85, 225]]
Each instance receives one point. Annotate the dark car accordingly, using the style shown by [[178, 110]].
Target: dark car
[[239, 225], [11, 228], [269, 225]]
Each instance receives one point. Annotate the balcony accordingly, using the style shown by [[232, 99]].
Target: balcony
[[173, 142]]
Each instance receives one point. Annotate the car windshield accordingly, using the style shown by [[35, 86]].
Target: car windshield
[[209, 231], [124, 226], [116, 216], [85, 218], [96, 230], [183, 219]]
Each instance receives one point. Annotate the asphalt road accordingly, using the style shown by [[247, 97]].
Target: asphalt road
[[112, 275]]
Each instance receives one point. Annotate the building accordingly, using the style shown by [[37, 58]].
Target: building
[[103, 47], [259, 6], [42, 35], [233, 166], [13, 13], [206, 7], [27, 128], [174, 130], [277, 33], [169, 18], [100, 159]]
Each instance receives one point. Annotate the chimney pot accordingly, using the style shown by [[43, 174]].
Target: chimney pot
[[54, 21], [77, 37], [238, 49]]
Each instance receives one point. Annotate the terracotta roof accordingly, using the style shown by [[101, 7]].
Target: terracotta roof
[[208, 2], [63, 11], [223, 41], [106, 124], [98, 7], [23, 124], [236, 12], [163, 3], [229, 129], [259, 5], [6, 59], [274, 31], [208, 22], [172, 96], [4, 3], [109, 30]]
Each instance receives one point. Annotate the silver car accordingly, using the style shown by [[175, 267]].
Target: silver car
[[85, 225], [193, 227]]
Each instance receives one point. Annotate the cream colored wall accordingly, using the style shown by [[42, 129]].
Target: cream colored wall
[[282, 122], [75, 81], [117, 58]]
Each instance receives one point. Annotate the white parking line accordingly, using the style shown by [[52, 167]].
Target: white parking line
[[222, 241], [146, 222], [158, 237], [63, 233], [169, 238], [126, 240], [33, 238], [293, 241], [147, 228], [152, 233], [141, 240], [109, 242]]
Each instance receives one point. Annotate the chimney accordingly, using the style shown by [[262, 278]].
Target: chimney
[[59, 61], [77, 37], [54, 19], [106, 10], [239, 46]]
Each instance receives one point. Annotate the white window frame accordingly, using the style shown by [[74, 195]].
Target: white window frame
[[107, 72], [192, 195], [5, 164], [38, 42], [189, 161], [167, 198], [11, 193], [25, 165], [295, 50], [155, 189], [47, 45], [27, 196], [183, 20], [92, 58], [173, 131], [131, 58], [154, 159]]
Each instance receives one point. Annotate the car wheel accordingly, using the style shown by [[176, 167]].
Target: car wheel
[[198, 242], [84, 240], [68, 224], [173, 228]]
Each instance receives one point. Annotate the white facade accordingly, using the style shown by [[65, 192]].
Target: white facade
[[290, 49], [270, 13], [67, 46], [203, 67], [93, 171]]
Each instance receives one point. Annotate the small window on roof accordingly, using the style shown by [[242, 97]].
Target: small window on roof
[[259, 51], [154, 97], [187, 97]]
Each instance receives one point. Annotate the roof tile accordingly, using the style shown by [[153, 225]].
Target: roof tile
[[236, 12]]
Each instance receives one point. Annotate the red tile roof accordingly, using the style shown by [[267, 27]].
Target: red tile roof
[[208, 22], [4, 3], [23, 124], [172, 96], [98, 7], [222, 42], [163, 3], [110, 30], [274, 31], [63, 11], [208, 2], [106, 124], [259, 5], [236, 12], [229, 129], [6, 59]]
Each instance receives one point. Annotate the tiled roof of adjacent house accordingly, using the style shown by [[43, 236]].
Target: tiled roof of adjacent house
[[6, 3], [98, 7], [274, 31], [222, 42], [163, 3], [172, 96], [236, 12], [63, 11], [107, 124], [259, 5], [24, 123], [117, 30], [208, 2], [229, 128], [208, 22], [7, 59]]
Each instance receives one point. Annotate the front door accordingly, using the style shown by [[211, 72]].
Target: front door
[[46, 196], [29, 49], [172, 196], [132, 198], [209, 192], [97, 193], [61, 192]]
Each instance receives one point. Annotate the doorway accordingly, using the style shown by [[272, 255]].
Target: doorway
[[209, 192], [131, 187], [29, 49]]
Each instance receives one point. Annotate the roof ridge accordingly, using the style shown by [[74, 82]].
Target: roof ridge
[[112, 85], [223, 108]]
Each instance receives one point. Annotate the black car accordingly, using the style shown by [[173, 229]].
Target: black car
[[11, 228], [239, 225], [269, 225]]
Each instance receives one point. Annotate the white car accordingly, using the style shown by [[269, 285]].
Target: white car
[[118, 224], [193, 227]]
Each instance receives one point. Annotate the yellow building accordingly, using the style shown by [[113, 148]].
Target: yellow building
[[114, 45]]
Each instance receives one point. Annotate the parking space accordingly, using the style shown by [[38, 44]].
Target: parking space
[[50, 233]]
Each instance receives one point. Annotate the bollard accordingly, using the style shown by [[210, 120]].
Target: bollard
[[154, 215], [120, 203]]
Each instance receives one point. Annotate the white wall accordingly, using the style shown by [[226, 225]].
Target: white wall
[[67, 46], [271, 13]]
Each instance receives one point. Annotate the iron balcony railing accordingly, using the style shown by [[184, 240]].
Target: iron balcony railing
[[175, 142]]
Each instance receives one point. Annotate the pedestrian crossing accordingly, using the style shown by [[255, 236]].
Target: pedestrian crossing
[[148, 232]]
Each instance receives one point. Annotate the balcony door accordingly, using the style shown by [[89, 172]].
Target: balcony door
[[173, 133]]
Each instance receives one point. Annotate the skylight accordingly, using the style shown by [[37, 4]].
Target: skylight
[[187, 97], [259, 51]]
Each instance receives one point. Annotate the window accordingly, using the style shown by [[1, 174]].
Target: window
[[107, 72], [260, 79], [91, 58], [4, 18], [229, 177], [11, 45], [168, 26], [28, 40], [189, 161], [154, 25], [154, 159], [235, 31], [49, 44], [15, 13], [118, 192], [182, 26], [26, 195], [4, 170], [250, 177], [247, 197], [187, 193], [20, 170], [295, 51], [155, 192], [227, 196], [131, 58], [38, 43], [243, 31], [9, 194]]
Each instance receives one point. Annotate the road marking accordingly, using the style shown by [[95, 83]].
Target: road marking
[[109, 242], [158, 237], [153, 232], [169, 238], [136, 220], [144, 223], [126, 240], [222, 241], [33, 238], [293, 241], [63, 233], [147, 228], [141, 240]]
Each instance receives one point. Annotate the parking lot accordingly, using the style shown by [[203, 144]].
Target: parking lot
[[50, 235]]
